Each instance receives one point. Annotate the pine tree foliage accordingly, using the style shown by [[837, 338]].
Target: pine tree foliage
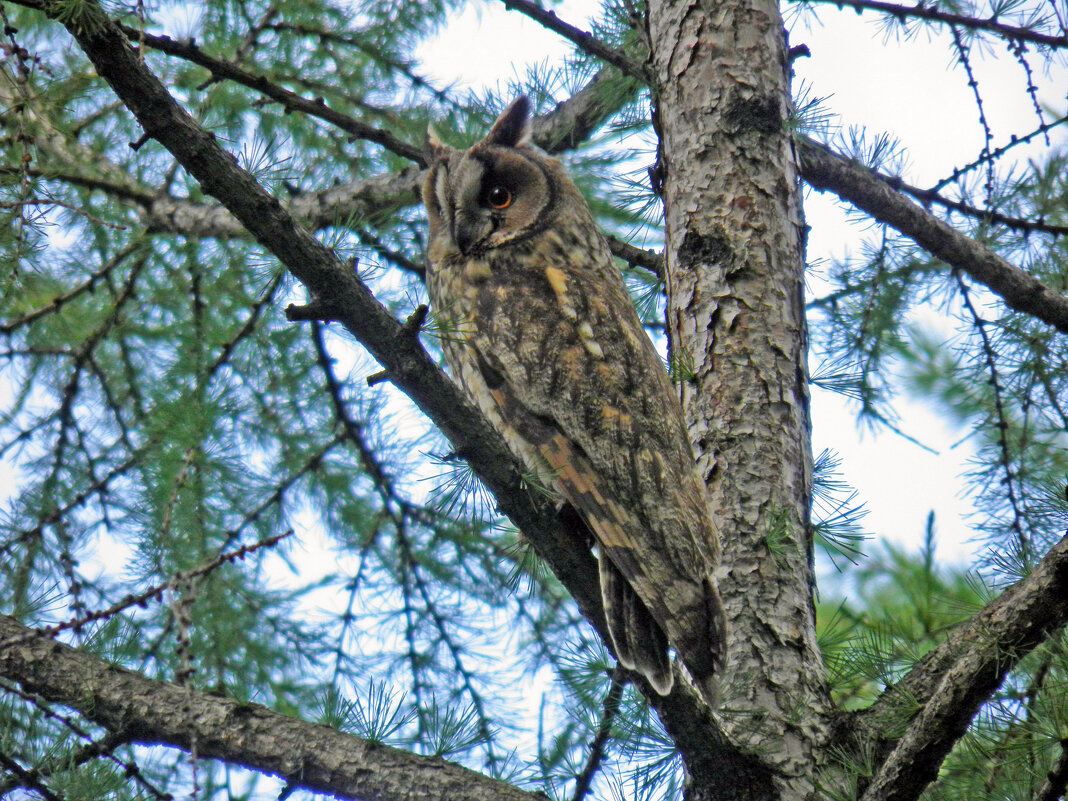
[[223, 484]]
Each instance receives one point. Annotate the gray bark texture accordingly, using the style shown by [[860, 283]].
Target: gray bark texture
[[736, 319]]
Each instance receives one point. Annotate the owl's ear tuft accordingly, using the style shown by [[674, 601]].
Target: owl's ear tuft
[[433, 148], [512, 128]]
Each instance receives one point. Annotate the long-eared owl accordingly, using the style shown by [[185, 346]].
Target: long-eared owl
[[543, 337]]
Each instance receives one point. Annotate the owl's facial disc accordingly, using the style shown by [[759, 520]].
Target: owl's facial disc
[[497, 196]]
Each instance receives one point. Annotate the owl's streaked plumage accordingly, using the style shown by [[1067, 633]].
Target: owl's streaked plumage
[[543, 337]]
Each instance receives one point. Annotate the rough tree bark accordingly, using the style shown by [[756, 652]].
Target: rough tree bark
[[736, 315]]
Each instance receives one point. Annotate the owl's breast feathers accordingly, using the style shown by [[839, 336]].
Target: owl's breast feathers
[[574, 377]]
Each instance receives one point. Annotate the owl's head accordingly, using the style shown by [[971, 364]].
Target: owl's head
[[499, 191]]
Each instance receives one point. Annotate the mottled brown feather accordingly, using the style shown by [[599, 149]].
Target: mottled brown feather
[[548, 344]]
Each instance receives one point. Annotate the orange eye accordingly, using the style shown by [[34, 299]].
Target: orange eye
[[499, 198]]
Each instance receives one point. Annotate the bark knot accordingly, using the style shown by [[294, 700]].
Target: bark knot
[[759, 113], [711, 248]]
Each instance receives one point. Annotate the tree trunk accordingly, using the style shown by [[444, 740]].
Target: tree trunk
[[735, 260]]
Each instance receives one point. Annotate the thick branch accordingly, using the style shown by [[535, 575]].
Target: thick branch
[[373, 199], [306, 755], [865, 190], [951, 683]]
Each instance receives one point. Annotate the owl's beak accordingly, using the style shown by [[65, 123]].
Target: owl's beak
[[470, 231]]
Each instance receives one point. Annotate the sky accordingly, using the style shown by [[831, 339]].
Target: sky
[[910, 88]]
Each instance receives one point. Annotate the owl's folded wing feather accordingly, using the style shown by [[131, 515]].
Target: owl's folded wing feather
[[600, 412]]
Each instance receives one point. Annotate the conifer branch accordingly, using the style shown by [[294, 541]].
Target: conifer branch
[[27, 779], [873, 194], [308, 755], [949, 685], [225, 70], [142, 598], [583, 40], [931, 197], [1053, 788], [932, 13], [62, 299], [996, 153], [1001, 423], [405, 68], [372, 200], [609, 710]]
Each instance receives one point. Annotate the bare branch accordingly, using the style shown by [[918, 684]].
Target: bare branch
[[291, 100], [950, 684], [869, 192], [932, 13], [637, 257], [307, 755], [585, 41]]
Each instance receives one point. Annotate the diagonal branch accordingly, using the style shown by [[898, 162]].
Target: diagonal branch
[[932, 13], [307, 755], [221, 69], [585, 41], [864, 189], [951, 683]]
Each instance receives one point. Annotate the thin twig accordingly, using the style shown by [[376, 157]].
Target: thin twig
[[609, 710], [932, 13], [583, 40], [291, 100], [142, 599]]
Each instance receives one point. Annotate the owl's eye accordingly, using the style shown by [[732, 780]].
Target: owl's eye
[[499, 198]]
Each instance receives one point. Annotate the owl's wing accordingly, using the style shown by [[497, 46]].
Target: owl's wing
[[638, 641], [574, 373]]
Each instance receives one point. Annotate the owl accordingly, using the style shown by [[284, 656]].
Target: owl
[[539, 331]]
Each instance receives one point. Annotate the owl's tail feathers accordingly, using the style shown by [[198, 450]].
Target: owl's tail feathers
[[639, 642]]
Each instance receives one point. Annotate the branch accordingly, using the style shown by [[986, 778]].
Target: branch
[[574, 120], [951, 683], [380, 197], [307, 755], [637, 257], [868, 191], [1057, 779], [583, 40], [220, 69], [373, 199], [609, 711], [933, 14]]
